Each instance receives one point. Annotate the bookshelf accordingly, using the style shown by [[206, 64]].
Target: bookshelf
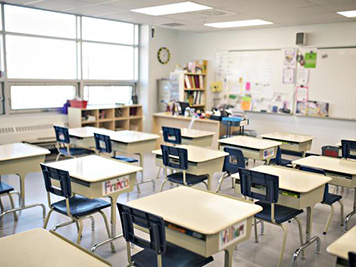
[[114, 118], [195, 84]]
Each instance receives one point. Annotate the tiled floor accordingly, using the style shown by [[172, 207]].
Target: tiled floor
[[265, 253]]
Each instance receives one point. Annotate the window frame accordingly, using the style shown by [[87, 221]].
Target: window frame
[[79, 82]]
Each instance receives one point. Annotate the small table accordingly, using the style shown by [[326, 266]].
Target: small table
[[94, 177], [342, 246], [200, 160], [130, 142], [196, 137], [342, 172], [39, 247], [216, 222], [298, 190], [21, 159], [291, 142], [252, 148]]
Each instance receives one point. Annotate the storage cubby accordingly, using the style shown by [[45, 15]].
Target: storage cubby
[[121, 125]]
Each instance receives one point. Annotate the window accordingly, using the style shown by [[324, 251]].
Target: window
[[108, 31], [40, 96], [106, 95], [40, 22], [41, 58], [108, 62]]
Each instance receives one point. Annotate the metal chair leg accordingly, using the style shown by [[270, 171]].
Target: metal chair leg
[[57, 158], [329, 220], [300, 228], [47, 219], [79, 223], [159, 171], [12, 205], [280, 261], [206, 185], [92, 223], [107, 229], [222, 178], [341, 212], [255, 227], [18, 195], [162, 185], [262, 227]]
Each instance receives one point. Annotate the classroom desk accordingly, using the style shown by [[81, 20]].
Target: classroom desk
[[252, 148], [342, 172], [342, 246], [291, 142], [298, 190], [210, 216], [95, 177], [38, 247], [129, 142], [22, 159], [196, 137], [352, 152], [200, 160]]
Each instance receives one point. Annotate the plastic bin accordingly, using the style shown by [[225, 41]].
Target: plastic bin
[[330, 151], [78, 103]]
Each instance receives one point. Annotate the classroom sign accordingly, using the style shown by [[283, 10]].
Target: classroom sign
[[232, 234], [115, 185]]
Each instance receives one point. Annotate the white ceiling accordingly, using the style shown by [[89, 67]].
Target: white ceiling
[[280, 12]]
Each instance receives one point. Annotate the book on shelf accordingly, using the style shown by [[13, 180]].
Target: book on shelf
[[194, 97], [193, 82]]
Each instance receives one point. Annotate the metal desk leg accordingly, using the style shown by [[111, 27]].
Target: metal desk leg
[[309, 240], [353, 212], [228, 256], [142, 180]]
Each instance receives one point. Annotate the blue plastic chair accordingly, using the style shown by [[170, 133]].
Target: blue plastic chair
[[232, 163], [8, 190], [352, 259], [156, 251], [272, 212], [177, 159], [63, 144], [75, 207], [278, 159], [328, 198], [172, 135], [347, 146], [103, 144]]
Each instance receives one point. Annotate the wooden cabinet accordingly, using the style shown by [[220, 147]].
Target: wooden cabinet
[[114, 118]]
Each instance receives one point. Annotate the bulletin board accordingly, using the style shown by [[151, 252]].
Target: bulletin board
[[266, 78]]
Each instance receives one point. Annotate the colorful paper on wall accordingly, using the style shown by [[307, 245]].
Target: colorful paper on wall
[[302, 76], [290, 58], [246, 103], [288, 75], [216, 86], [302, 93], [310, 60]]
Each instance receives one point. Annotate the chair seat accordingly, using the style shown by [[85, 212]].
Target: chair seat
[[281, 213], [174, 257], [80, 206], [190, 178], [283, 162], [330, 198], [5, 188], [126, 159], [76, 151]]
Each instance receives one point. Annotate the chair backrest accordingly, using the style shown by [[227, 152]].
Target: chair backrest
[[278, 156], [154, 224], [172, 135], [102, 143], [234, 160], [266, 182], [63, 177], [352, 259], [174, 157], [318, 171], [62, 134], [347, 146]]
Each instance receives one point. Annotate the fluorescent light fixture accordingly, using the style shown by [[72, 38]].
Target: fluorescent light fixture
[[238, 23], [182, 7], [349, 14]]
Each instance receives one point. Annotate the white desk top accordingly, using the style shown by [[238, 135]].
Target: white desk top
[[328, 164], [344, 244], [198, 154], [293, 180], [192, 133], [39, 247], [20, 150], [249, 142], [197, 210], [291, 137], [132, 136], [94, 168], [85, 132]]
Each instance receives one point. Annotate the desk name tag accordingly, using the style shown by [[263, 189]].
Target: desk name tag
[[268, 153], [115, 185], [232, 234]]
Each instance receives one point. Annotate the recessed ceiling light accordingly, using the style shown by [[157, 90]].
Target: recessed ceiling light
[[239, 23], [349, 14], [171, 9]]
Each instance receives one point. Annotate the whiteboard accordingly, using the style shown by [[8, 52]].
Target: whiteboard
[[263, 70], [334, 81]]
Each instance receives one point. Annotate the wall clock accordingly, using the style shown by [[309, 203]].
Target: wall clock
[[163, 55]]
